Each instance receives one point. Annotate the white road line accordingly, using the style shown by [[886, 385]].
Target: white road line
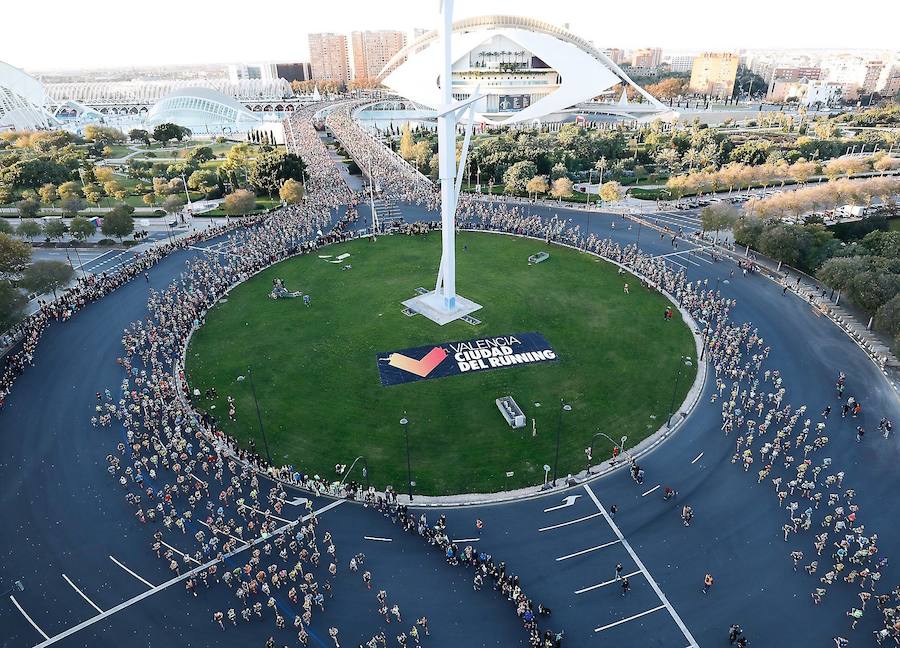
[[650, 491], [233, 537], [697, 458], [177, 579], [631, 618], [180, 553], [467, 540], [681, 265], [697, 256], [662, 597], [143, 580], [83, 595], [28, 618], [605, 583], [274, 517], [684, 258], [581, 519], [377, 539], [663, 256], [584, 551]]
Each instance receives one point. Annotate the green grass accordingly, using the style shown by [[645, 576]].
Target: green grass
[[317, 380]]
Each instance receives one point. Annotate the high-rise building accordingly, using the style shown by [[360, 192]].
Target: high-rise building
[[873, 73], [892, 82], [373, 49], [329, 58], [681, 63], [615, 54], [252, 71], [291, 72], [648, 58], [714, 74]]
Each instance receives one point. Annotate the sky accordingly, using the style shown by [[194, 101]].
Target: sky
[[113, 33]]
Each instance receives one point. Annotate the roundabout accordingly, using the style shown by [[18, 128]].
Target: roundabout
[[316, 368]]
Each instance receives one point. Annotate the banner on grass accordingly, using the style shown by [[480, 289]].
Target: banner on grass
[[468, 356]]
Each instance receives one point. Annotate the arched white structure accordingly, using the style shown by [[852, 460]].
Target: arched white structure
[[525, 68], [22, 100], [199, 109]]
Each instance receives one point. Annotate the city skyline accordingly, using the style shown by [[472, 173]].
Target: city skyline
[[691, 26]]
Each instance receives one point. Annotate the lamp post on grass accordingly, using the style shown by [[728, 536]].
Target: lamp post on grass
[[608, 438], [404, 423], [262, 430], [563, 406], [684, 361]]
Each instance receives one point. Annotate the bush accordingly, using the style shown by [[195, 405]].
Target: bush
[[106, 242], [159, 212]]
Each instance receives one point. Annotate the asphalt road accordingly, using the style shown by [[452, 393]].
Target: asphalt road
[[64, 516]]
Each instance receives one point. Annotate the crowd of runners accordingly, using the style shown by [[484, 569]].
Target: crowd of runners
[[219, 514], [24, 337]]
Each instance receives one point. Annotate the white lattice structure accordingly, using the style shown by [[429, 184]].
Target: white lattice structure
[[149, 92], [22, 100], [526, 70]]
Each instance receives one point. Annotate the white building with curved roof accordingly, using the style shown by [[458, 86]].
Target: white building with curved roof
[[203, 111], [22, 100], [526, 70]]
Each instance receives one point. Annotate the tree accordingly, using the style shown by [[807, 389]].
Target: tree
[[558, 171], [422, 153], [172, 204], [562, 188], [239, 203], [55, 229], [201, 154], [5, 227], [48, 193], [69, 189], [168, 131], [118, 222], [71, 206], [82, 228], [28, 208], [149, 199], [203, 180], [46, 276], [537, 185], [272, 168], [139, 135], [407, 145], [14, 255], [12, 301], [291, 191], [719, 216], [518, 175], [611, 191], [668, 88], [103, 134], [104, 174], [29, 228]]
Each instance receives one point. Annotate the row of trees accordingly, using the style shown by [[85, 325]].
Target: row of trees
[[743, 176], [18, 274], [118, 222], [825, 196]]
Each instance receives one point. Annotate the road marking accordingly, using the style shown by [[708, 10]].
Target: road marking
[[183, 555], [581, 519], [650, 491], [467, 540], [631, 618], [177, 579], [377, 539], [25, 614], [663, 256], [274, 517], [567, 502], [83, 595], [662, 597], [214, 530], [605, 583], [143, 580], [584, 551], [697, 458], [681, 265]]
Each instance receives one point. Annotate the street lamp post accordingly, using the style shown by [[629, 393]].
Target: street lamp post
[[608, 438], [563, 406], [684, 361], [262, 430], [404, 423]]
